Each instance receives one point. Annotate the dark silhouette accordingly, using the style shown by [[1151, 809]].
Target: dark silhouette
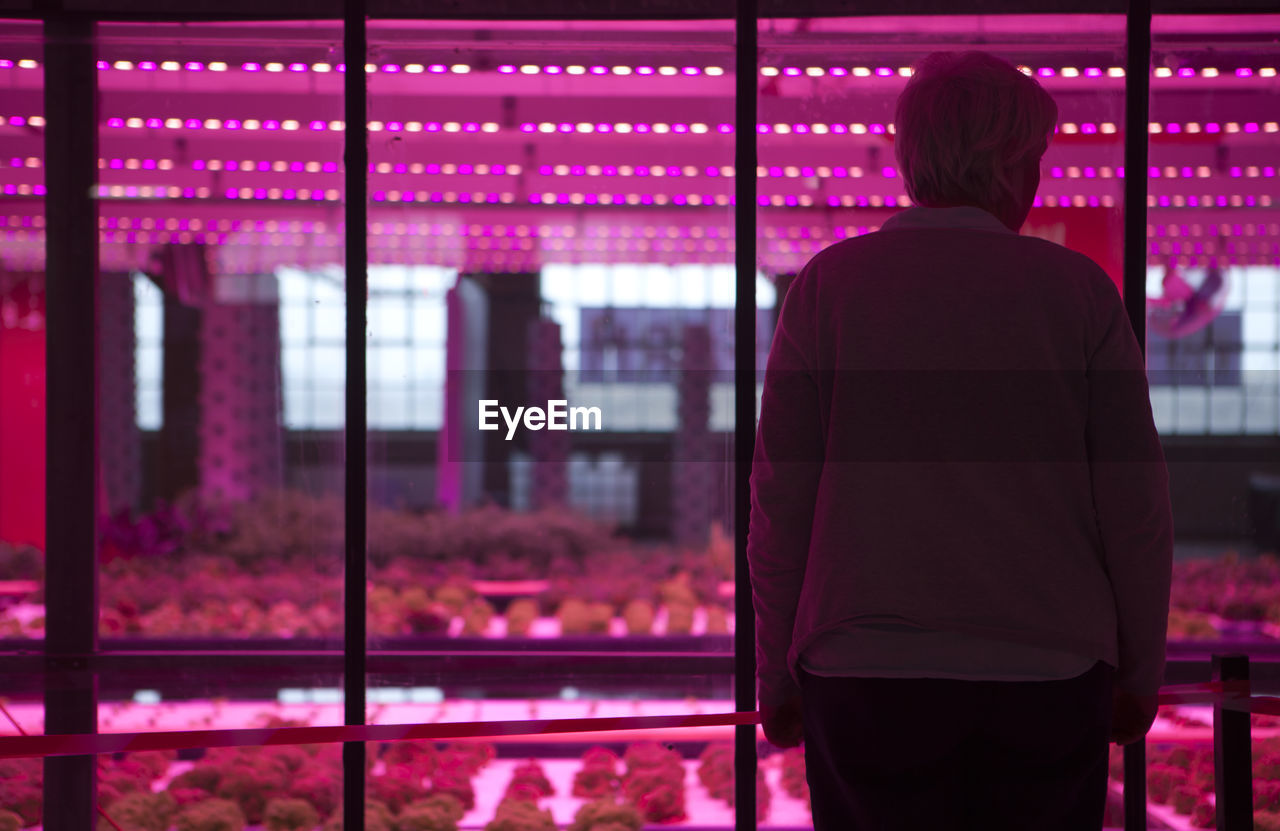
[[961, 537]]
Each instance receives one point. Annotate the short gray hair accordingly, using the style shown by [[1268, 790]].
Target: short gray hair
[[964, 120]]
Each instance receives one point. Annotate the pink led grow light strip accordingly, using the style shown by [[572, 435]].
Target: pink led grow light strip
[[1070, 72]]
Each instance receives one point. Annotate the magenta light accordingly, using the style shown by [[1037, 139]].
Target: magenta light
[[534, 198], [391, 68], [883, 71], [17, 121], [115, 122], [330, 167], [642, 128], [471, 127], [644, 70], [342, 67], [791, 70], [296, 167], [1236, 172], [193, 124], [1089, 128], [762, 128], [1093, 72], [725, 128], [839, 128], [506, 69], [775, 171], [1173, 127], [248, 67], [610, 170], [155, 123], [432, 169], [888, 172], [878, 129], [1090, 173], [260, 193], [297, 67], [604, 128], [232, 124], [527, 127], [599, 70], [101, 65], [1213, 127], [838, 71], [148, 164], [1045, 72], [712, 171], [840, 172], [188, 193], [194, 66], [565, 127], [1186, 72], [317, 125], [431, 126], [691, 70], [149, 65], [1056, 172], [1251, 127], [498, 169], [8, 64], [1244, 72], [394, 126], [800, 128]]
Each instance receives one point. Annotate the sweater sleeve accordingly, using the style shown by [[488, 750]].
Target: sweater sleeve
[[784, 484], [1130, 495]]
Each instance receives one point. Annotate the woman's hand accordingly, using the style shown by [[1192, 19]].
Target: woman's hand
[[1131, 716], [783, 724]]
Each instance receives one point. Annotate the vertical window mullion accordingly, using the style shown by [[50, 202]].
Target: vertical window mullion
[[744, 405], [356, 172]]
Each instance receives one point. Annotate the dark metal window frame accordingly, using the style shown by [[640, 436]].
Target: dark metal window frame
[[71, 647]]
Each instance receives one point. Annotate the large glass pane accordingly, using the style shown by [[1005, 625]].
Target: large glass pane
[[550, 221], [1213, 347], [828, 174], [220, 217], [22, 339]]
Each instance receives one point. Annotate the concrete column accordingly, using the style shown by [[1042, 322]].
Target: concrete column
[[549, 448], [241, 410], [691, 468]]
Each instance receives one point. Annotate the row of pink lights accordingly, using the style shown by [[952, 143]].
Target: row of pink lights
[[1212, 127], [290, 194], [670, 171], [530, 69], [436, 229]]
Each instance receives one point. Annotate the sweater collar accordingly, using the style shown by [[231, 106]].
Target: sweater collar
[[964, 216]]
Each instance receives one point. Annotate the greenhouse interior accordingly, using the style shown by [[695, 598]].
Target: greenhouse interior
[[554, 213]]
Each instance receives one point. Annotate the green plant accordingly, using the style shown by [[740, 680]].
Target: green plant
[[604, 813], [517, 815], [210, 815], [140, 811], [436, 813], [290, 815], [377, 817]]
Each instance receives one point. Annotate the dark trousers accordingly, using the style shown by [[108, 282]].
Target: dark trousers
[[890, 754]]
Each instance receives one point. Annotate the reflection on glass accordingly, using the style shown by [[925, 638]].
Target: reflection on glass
[[22, 334], [551, 230]]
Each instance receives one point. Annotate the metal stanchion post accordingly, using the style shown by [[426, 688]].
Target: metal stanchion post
[[1232, 752], [1135, 786]]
